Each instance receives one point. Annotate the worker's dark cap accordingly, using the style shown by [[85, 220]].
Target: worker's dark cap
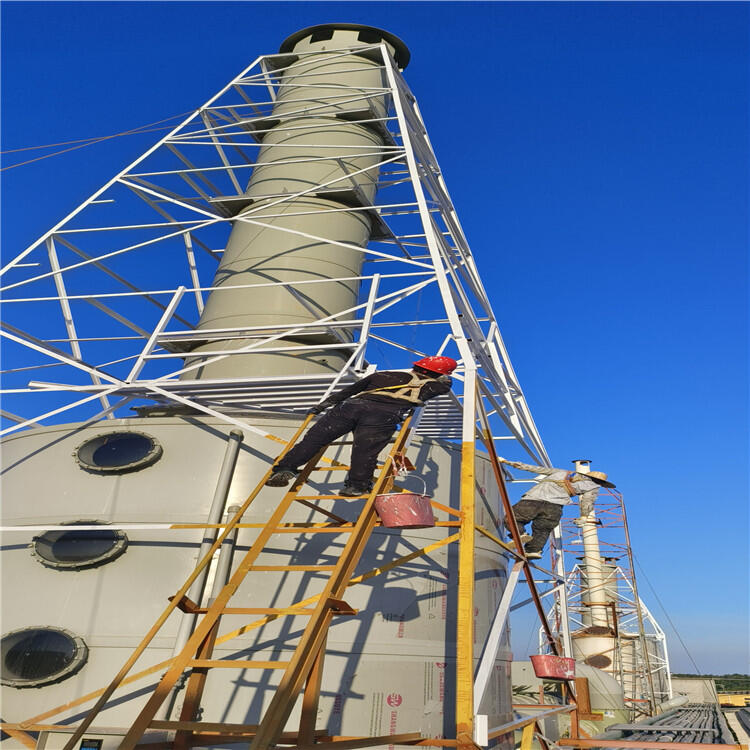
[[367, 34]]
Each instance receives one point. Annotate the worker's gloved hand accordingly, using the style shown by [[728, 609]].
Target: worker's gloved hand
[[319, 408]]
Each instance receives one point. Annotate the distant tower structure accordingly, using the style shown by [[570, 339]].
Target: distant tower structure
[[285, 239], [610, 626]]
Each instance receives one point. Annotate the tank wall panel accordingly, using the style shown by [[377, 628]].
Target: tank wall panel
[[294, 258]]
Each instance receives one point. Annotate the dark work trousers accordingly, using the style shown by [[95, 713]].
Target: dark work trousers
[[372, 425], [543, 516]]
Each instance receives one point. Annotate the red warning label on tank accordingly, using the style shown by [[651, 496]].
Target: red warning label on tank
[[394, 700]]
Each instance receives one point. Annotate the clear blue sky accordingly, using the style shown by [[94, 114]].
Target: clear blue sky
[[597, 154]]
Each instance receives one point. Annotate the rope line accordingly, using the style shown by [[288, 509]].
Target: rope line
[[82, 142], [666, 614]]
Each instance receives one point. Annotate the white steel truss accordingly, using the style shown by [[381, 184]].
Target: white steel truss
[[99, 312]]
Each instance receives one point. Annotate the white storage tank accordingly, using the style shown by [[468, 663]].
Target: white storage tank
[[389, 669]]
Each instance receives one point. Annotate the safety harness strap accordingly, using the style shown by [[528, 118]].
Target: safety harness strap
[[405, 392], [566, 484]]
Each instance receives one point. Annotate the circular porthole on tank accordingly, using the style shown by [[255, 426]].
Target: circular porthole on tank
[[36, 656], [76, 549], [600, 661], [118, 452]]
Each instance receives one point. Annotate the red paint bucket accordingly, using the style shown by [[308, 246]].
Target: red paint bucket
[[551, 667], [405, 510]]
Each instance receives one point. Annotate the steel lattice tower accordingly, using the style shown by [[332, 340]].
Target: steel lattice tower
[[97, 295], [626, 641], [288, 235]]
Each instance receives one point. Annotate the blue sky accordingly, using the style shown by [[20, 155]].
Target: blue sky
[[597, 154]]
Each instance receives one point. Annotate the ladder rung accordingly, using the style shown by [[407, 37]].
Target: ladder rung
[[293, 567], [268, 611], [306, 525], [204, 726], [320, 497], [316, 507], [256, 611], [331, 468], [340, 607], [329, 497], [232, 664], [187, 605], [314, 530], [201, 727]]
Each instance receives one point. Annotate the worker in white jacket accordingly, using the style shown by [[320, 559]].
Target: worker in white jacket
[[542, 505]]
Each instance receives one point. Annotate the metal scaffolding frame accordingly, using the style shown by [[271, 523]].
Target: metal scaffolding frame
[[646, 682], [81, 300]]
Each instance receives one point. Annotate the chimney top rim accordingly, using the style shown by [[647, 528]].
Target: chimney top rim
[[401, 51]]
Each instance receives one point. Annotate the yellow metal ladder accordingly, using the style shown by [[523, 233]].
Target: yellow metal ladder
[[305, 664]]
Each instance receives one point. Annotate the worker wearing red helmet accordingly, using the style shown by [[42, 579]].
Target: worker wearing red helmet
[[372, 410]]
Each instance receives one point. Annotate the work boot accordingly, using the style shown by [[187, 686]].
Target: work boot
[[533, 555], [354, 490], [524, 536], [280, 478]]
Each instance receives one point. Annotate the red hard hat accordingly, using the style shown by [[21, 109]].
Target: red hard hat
[[443, 365]]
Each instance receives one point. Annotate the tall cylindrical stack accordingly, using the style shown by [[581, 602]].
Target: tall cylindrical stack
[[595, 643], [301, 219]]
